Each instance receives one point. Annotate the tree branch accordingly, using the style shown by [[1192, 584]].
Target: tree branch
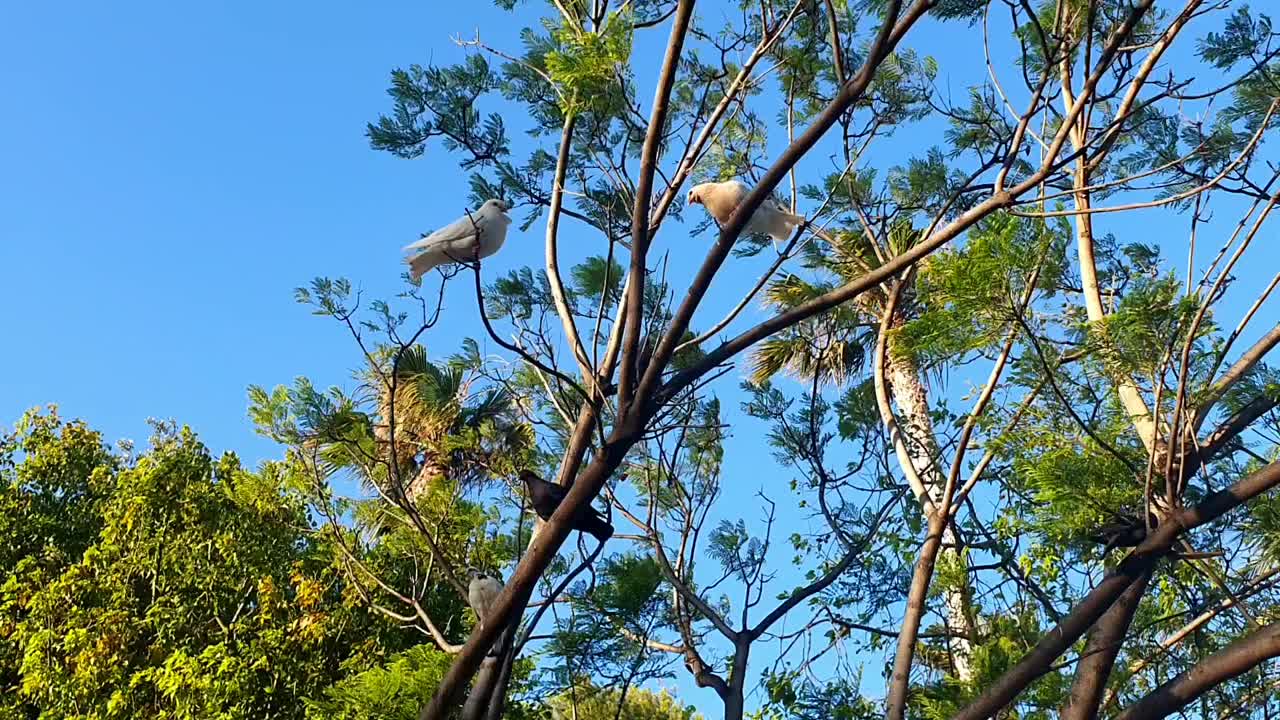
[[640, 213], [1100, 653], [1143, 558], [1232, 661]]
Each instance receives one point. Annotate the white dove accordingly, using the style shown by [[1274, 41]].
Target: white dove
[[481, 592], [722, 198], [457, 241]]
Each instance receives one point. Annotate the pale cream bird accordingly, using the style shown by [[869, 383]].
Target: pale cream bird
[[722, 198], [484, 230], [481, 592]]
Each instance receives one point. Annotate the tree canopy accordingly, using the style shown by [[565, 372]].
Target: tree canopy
[[992, 434]]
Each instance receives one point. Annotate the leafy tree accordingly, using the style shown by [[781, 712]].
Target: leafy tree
[[166, 584], [965, 542], [590, 703]]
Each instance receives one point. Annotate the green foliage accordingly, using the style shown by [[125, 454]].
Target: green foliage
[[969, 298], [441, 102], [1006, 640], [1151, 318], [395, 691], [1243, 36], [596, 278], [54, 477], [587, 64], [586, 702], [190, 589], [792, 695], [833, 349]]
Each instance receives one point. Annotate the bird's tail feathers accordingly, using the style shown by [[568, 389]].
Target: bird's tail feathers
[[603, 532], [424, 262], [598, 527]]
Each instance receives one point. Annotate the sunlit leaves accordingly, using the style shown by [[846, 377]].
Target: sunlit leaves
[[436, 102], [969, 297], [587, 64], [201, 594], [1243, 36], [597, 279]]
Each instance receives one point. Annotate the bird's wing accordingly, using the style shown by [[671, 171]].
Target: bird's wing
[[464, 228], [555, 491], [721, 199]]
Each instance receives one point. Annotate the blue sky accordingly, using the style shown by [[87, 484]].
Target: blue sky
[[172, 171], [171, 174]]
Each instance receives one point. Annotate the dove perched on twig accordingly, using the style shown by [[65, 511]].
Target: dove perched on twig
[[722, 198], [545, 497], [472, 236]]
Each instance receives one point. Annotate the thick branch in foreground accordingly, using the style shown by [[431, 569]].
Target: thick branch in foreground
[[1142, 560], [628, 431], [1232, 661], [644, 191], [1100, 654]]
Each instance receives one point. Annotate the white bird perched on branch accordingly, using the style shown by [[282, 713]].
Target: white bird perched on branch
[[470, 237], [722, 198], [481, 592]]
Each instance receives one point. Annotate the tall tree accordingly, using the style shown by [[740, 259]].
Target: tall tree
[[936, 243], [165, 584]]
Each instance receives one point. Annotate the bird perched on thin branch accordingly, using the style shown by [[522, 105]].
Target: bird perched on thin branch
[[545, 497], [722, 198], [473, 236], [481, 592]]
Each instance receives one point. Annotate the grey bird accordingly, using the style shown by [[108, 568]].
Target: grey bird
[[474, 236], [545, 497], [482, 591]]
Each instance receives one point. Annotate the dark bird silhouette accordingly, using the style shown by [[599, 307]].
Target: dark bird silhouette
[[546, 497], [1128, 530]]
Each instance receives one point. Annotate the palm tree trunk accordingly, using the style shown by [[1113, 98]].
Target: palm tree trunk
[[919, 449], [430, 471]]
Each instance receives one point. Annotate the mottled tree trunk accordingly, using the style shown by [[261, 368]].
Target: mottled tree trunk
[[422, 479], [920, 449]]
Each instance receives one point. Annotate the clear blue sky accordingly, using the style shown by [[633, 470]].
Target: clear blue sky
[[170, 171]]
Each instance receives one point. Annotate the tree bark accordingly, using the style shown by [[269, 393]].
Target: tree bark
[[482, 690], [498, 701], [1100, 654], [734, 701], [920, 449], [1232, 661], [900, 680]]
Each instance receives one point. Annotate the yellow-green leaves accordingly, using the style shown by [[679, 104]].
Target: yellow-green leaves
[[588, 65]]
